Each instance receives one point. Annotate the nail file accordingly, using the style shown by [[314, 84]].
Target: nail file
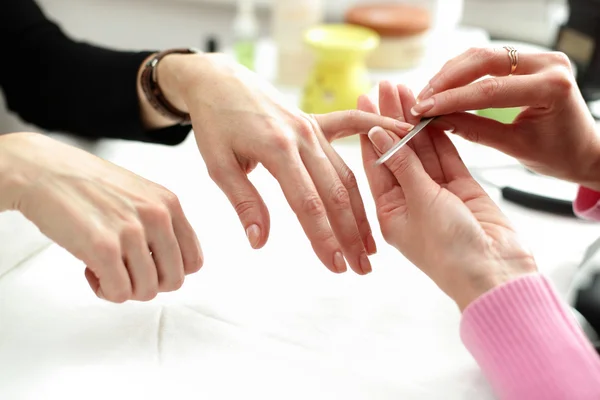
[[388, 154]]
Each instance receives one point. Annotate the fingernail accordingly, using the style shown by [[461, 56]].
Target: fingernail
[[444, 125], [422, 107], [426, 93], [380, 139], [365, 264], [100, 294], [371, 246], [339, 263], [253, 233], [404, 126]]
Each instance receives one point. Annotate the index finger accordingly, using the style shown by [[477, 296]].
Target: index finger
[[339, 124]]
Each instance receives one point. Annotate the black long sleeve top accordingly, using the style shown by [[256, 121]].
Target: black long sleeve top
[[60, 84]]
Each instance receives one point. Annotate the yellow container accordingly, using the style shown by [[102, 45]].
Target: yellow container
[[339, 75]]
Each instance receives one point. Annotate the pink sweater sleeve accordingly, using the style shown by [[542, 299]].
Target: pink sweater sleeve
[[587, 204], [528, 344]]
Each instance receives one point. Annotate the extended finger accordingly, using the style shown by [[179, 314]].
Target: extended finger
[[405, 166], [450, 161], [349, 181], [338, 206], [477, 63], [381, 180], [302, 196], [244, 198], [537, 91], [340, 124], [421, 144], [487, 132]]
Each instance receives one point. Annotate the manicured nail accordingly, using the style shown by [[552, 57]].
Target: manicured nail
[[365, 264], [253, 233], [371, 246], [380, 139], [422, 107], [404, 126], [426, 93], [339, 263], [445, 125]]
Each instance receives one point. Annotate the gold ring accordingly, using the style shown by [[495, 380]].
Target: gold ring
[[514, 58]]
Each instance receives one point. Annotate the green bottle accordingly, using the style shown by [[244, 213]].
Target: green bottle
[[245, 29]]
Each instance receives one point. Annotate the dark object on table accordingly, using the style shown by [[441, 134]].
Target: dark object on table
[[587, 304], [579, 39], [212, 45], [538, 202]]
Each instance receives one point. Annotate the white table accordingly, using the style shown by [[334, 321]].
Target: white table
[[264, 324]]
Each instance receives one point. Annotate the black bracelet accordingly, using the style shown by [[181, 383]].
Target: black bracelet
[[151, 89]]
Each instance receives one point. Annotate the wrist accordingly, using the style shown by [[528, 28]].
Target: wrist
[[591, 179], [13, 177], [175, 74], [473, 287]]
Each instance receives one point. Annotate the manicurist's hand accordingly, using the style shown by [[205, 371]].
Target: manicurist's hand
[[240, 120], [131, 233], [432, 210], [554, 134]]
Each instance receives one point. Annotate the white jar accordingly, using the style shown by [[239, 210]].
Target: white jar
[[290, 19]]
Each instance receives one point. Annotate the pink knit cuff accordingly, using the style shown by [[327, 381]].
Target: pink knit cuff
[[528, 344], [587, 204]]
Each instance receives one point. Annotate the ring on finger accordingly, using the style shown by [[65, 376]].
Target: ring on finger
[[513, 55]]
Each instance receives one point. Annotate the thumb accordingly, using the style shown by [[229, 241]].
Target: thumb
[[246, 201], [485, 131], [404, 165]]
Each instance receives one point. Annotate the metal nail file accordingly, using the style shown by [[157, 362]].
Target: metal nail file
[[388, 154]]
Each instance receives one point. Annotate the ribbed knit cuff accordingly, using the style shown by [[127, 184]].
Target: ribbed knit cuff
[[528, 344], [587, 204]]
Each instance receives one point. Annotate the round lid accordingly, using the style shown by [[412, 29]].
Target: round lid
[[390, 19], [342, 37]]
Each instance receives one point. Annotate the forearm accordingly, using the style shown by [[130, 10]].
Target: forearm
[[528, 344], [12, 175], [63, 85]]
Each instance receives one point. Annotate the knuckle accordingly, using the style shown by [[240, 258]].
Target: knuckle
[[244, 207], [148, 294], [281, 143], [348, 178], [171, 200], [194, 266], [217, 170], [398, 164], [472, 135], [305, 130], [173, 283], [312, 206], [105, 245], [559, 81], [132, 230], [561, 59], [339, 196], [156, 214], [490, 87], [120, 295]]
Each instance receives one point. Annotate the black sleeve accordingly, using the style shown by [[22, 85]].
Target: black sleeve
[[59, 84]]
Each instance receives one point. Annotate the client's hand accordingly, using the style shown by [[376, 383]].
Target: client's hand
[[131, 233], [432, 210], [240, 120], [554, 134]]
